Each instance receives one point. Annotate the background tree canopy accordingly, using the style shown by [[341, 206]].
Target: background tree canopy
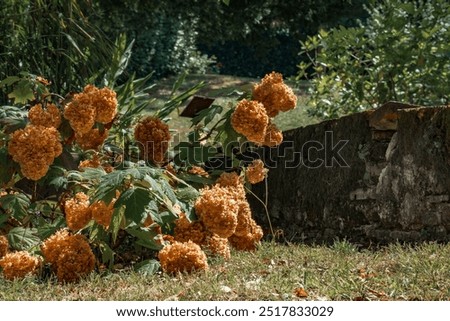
[[69, 41]]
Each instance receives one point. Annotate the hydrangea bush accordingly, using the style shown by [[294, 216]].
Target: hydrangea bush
[[88, 180]]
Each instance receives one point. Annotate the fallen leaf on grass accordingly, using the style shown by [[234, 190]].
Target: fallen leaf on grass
[[300, 293]]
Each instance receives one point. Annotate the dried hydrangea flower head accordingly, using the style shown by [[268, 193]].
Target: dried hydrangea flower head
[[153, 137], [247, 241], [274, 94], [92, 139], [182, 257], [102, 213], [256, 172], [94, 162], [75, 260], [274, 136], [250, 119], [186, 230], [49, 117], [3, 246], [35, 148], [90, 106], [69, 255], [217, 208], [217, 246], [17, 265], [197, 170], [77, 210]]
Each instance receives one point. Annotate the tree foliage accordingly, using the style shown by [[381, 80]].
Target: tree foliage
[[401, 53]]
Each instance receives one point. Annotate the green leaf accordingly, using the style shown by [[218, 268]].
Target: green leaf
[[16, 205], [9, 81], [187, 194], [107, 254], [23, 239], [3, 219], [135, 200], [145, 237], [147, 267], [22, 92], [45, 230], [56, 178], [116, 222]]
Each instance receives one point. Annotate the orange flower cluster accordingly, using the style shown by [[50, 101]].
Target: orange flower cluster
[[3, 246], [35, 148], [50, 117], [153, 137], [70, 256], [256, 172], [250, 119], [19, 264], [185, 230], [92, 139], [94, 162], [274, 94], [248, 233], [77, 210], [103, 213], [90, 106], [216, 245], [197, 170], [217, 208], [182, 257]]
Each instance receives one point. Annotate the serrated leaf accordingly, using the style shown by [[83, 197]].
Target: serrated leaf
[[147, 267], [56, 178], [3, 219], [187, 194], [16, 205], [22, 92], [135, 200], [22, 239]]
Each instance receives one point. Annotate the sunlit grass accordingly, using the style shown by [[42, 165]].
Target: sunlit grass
[[337, 272]]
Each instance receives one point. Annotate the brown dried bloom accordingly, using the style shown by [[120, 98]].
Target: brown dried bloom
[[274, 94], [52, 246], [256, 172], [182, 257], [94, 162], [217, 207], [105, 102], [19, 265], [234, 182], [244, 219], [274, 136], [77, 211], [197, 170], [217, 246], [70, 255], [250, 119], [35, 148], [49, 117], [80, 113], [185, 230], [75, 260], [153, 137], [89, 106], [102, 213], [3, 246], [92, 139], [248, 241]]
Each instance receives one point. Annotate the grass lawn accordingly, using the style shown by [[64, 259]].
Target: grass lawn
[[273, 272]]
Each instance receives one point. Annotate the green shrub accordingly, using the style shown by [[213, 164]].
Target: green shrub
[[401, 53]]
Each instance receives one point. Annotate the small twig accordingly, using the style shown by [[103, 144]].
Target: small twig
[[264, 203]]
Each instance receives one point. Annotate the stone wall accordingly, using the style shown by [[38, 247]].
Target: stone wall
[[380, 175]]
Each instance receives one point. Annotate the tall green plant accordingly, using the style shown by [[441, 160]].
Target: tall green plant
[[401, 53], [55, 39]]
